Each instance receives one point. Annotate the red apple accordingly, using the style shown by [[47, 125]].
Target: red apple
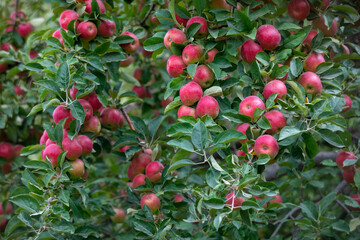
[[151, 200], [275, 86], [349, 174], [138, 180], [320, 24], [129, 60], [6, 168], [276, 199], [249, 104], [266, 144], [119, 216], [87, 31], [311, 83], [24, 29], [277, 121], [73, 147], [175, 66], [44, 137], [57, 35], [61, 113], [52, 152], [204, 76], [86, 144], [154, 21], [243, 127], [268, 37], [131, 173], [166, 102], [48, 142], [140, 161], [138, 72], [141, 91], [342, 156], [94, 101], [178, 198], [231, 201], [124, 148], [7, 151], [210, 55], [190, 93], [174, 35], [348, 103], [249, 49], [203, 31], [192, 54], [66, 17], [93, 125], [309, 38], [78, 168], [106, 28], [153, 171], [221, 4], [207, 105], [299, 9], [186, 111], [19, 15], [3, 67], [33, 54], [355, 197], [132, 46], [87, 109], [312, 61], [100, 3], [112, 118]]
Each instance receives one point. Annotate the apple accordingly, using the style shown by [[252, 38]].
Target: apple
[[166, 102], [249, 49], [151, 200], [66, 17], [153, 171], [140, 161], [3, 67], [311, 83], [192, 54], [221, 4], [124, 148], [320, 24], [138, 180], [324, 4], [243, 127], [190, 93], [33, 54], [275, 86], [24, 29], [141, 91], [6, 46], [348, 103], [44, 137], [17, 149], [203, 31], [93, 125], [52, 152], [87, 109], [94, 101], [7, 151], [249, 104], [277, 121], [268, 37], [355, 197], [48, 142], [349, 174], [186, 111], [175, 66], [4, 221], [204, 76], [87, 31], [298, 9], [57, 35], [178, 198], [266, 144], [106, 28], [341, 157], [154, 21], [100, 3], [78, 168], [276, 199], [231, 201], [131, 173], [86, 144], [19, 15], [6, 168], [61, 113], [210, 55], [312, 61], [138, 72], [174, 35], [346, 50], [112, 118], [132, 46], [146, 53], [309, 38], [180, 20], [129, 60], [207, 105], [119, 216], [73, 147]]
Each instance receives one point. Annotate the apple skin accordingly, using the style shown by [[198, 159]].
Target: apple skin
[[78, 168], [132, 46], [165, 102], [345, 51], [309, 38], [203, 31], [180, 20], [57, 35], [87, 109], [298, 9], [7, 151], [249, 49], [276, 199], [19, 15], [277, 121], [153, 171], [311, 83], [207, 105], [243, 127], [312, 61], [106, 28], [119, 216], [151, 200], [48, 142], [33, 54], [174, 35], [60, 113], [94, 101], [249, 104], [52, 152], [237, 200], [328, 32], [210, 55], [175, 66], [356, 197], [348, 175], [93, 125], [192, 54], [268, 37], [131, 172], [111, 118], [24, 29], [124, 148], [190, 93], [66, 17], [86, 144], [44, 137], [138, 72], [127, 62], [186, 111], [341, 157], [348, 103], [87, 31], [73, 147], [141, 91], [100, 3], [266, 144], [178, 198], [204, 76], [275, 86], [146, 53], [138, 180], [140, 161]]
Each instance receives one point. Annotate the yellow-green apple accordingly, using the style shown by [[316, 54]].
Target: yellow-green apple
[[175, 66], [204, 76], [174, 35], [275, 86], [192, 53], [87, 31], [186, 111], [311, 83], [319, 23], [277, 121], [298, 9], [153, 171], [106, 28], [190, 93], [207, 105], [52, 152], [249, 104], [266, 144], [203, 31], [99, 2], [66, 17], [119, 216], [78, 168], [132, 46], [268, 37], [249, 49], [342, 156], [312, 61], [233, 201], [348, 103], [151, 200], [243, 127]]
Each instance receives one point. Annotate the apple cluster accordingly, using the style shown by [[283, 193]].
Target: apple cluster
[[9, 152]]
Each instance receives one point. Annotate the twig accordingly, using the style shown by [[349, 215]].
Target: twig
[[147, 14], [131, 125], [16, 16]]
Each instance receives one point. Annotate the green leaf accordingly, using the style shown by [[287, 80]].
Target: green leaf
[[245, 216], [229, 136], [357, 179], [101, 49], [199, 135], [34, 67], [96, 63], [13, 224], [296, 88], [181, 143], [263, 57], [247, 180], [349, 162], [311, 145], [341, 225], [326, 202], [50, 85], [35, 109], [199, 5], [63, 75], [296, 39], [214, 203], [145, 227], [154, 125], [217, 221], [179, 129], [63, 227], [214, 91], [264, 123], [179, 164], [26, 202], [191, 68], [309, 210], [331, 138], [35, 164], [263, 159], [192, 30], [154, 43], [172, 106]]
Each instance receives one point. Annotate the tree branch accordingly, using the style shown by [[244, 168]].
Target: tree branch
[[147, 14]]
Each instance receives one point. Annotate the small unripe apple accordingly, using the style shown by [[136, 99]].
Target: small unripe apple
[[203, 31], [138, 180], [132, 46], [87, 31], [312, 61], [275, 86], [192, 54], [106, 28], [186, 111], [66, 17], [268, 37], [231, 201], [180, 20], [24, 29], [78, 168], [348, 103], [178, 198], [298, 9], [7, 151], [277, 121], [207, 105], [61, 113], [151, 200], [204, 76], [153, 171], [93, 125], [249, 49], [140, 161], [174, 35], [175, 66], [52, 152], [266, 144], [311, 83], [342, 156], [112, 118], [319, 23], [86, 144], [243, 127], [100, 3], [190, 93], [119, 216], [249, 104]]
